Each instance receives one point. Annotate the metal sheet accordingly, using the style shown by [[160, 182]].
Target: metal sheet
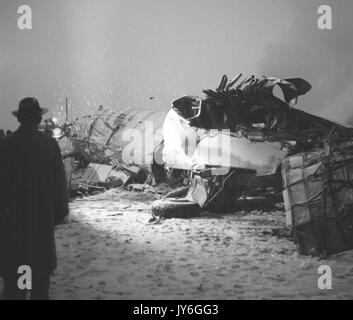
[[110, 130]]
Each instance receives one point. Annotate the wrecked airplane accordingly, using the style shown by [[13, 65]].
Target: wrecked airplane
[[226, 142], [257, 131], [260, 134]]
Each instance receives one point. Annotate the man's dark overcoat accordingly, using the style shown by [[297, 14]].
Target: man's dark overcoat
[[33, 199]]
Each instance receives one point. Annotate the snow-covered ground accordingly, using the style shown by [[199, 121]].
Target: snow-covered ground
[[110, 250]]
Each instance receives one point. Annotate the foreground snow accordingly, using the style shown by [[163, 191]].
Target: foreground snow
[[110, 250]]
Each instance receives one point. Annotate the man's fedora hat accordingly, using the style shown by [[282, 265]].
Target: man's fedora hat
[[29, 107]]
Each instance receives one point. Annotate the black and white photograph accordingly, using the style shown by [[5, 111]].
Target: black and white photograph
[[176, 154]]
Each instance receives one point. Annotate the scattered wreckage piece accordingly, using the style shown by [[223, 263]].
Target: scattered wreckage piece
[[210, 190], [217, 191], [68, 152], [141, 187], [102, 177], [319, 199], [70, 166], [96, 174], [176, 208], [183, 203]]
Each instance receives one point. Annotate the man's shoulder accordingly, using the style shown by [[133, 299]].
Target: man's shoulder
[[35, 139], [44, 136], [46, 139], [31, 137]]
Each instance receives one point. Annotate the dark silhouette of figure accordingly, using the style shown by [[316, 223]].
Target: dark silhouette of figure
[[2, 133], [33, 200]]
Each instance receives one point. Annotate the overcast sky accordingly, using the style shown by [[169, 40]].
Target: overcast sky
[[121, 52]]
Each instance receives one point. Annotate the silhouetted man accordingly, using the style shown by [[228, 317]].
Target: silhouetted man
[[33, 200]]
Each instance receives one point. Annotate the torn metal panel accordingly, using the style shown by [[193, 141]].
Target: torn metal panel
[[199, 191], [104, 135], [148, 124], [252, 102], [291, 88], [66, 147], [108, 176], [241, 153], [96, 173]]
